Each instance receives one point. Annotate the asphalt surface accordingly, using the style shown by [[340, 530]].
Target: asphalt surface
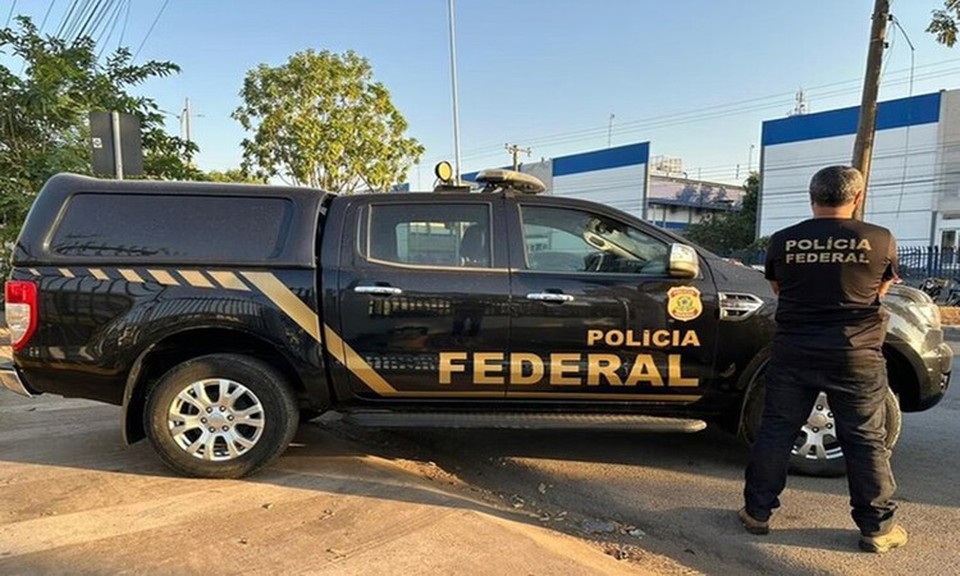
[[343, 499], [74, 500], [682, 491]]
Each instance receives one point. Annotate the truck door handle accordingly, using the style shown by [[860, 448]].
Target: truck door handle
[[378, 290], [550, 297]]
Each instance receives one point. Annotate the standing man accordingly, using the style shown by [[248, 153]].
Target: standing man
[[829, 273]]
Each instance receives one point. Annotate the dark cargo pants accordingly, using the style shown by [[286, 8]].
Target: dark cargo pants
[[856, 398]]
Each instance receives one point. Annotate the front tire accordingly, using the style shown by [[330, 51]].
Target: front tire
[[816, 451], [220, 416]]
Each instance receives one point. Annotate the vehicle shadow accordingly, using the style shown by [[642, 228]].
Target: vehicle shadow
[[488, 467]]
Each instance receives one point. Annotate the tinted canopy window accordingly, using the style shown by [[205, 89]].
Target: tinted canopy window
[[431, 234], [157, 227]]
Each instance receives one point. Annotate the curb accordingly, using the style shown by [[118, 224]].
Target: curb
[[951, 332]]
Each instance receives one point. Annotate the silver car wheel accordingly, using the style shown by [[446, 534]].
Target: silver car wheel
[[818, 437], [216, 419]]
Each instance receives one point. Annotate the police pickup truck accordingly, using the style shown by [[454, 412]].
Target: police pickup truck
[[217, 315]]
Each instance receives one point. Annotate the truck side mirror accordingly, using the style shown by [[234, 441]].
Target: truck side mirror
[[684, 262]]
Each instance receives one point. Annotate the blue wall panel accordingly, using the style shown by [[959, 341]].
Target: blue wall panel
[[900, 113], [629, 155]]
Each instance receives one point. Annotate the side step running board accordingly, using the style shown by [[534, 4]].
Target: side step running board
[[522, 420]]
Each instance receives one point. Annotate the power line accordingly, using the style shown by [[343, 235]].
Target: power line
[[150, 31], [101, 18], [718, 111], [10, 14], [109, 26], [67, 14], [74, 24], [126, 19], [47, 14]]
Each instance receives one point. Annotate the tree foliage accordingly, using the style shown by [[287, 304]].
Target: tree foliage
[[943, 23], [320, 120], [233, 175], [47, 90], [729, 232]]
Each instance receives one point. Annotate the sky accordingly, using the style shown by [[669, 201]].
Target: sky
[[695, 78]]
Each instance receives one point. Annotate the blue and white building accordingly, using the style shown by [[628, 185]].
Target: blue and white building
[[621, 177], [914, 186]]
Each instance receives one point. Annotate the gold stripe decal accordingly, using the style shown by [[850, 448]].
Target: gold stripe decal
[[163, 277], [67, 273], [228, 280], [601, 396], [356, 364], [286, 300], [195, 278], [98, 274], [130, 275]]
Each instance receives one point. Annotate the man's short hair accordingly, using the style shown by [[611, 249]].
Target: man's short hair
[[835, 185]]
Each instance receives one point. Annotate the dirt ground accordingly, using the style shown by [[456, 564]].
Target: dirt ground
[[950, 315], [75, 500]]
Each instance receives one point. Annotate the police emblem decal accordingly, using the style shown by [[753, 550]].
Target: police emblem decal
[[684, 303]]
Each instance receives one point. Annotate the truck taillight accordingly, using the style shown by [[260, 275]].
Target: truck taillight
[[21, 311]]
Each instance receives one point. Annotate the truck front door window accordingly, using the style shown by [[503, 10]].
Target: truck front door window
[[559, 239]]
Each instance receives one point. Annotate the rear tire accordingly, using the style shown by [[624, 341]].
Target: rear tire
[[220, 416], [816, 451]]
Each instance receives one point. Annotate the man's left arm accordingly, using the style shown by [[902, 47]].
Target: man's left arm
[[891, 274]]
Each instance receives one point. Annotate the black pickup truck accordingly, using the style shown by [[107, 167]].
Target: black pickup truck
[[217, 315]]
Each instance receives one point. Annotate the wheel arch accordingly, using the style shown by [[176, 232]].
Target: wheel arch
[[901, 377], [747, 382], [181, 346]]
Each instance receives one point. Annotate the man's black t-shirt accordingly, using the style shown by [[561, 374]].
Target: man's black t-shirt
[[829, 271]]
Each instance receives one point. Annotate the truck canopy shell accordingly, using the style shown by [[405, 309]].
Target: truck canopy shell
[[78, 219]]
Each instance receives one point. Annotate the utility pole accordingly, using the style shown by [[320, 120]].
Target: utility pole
[[515, 151], [866, 127], [456, 102], [117, 149], [185, 120], [610, 129]]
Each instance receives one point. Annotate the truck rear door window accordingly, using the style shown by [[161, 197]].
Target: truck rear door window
[[455, 235], [158, 227]]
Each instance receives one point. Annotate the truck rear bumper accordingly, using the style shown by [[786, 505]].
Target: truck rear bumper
[[10, 379]]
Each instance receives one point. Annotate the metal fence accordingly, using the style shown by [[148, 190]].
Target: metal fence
[[917, 263]]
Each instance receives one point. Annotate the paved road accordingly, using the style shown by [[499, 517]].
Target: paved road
[[348, 500], [74, 500], [681, 491]]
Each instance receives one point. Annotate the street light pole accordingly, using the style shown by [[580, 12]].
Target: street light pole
[[456, 103]]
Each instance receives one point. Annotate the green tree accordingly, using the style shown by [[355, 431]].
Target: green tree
[[320, 120], [726, 233], [47, 90], [234, 175], [943, 23]]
